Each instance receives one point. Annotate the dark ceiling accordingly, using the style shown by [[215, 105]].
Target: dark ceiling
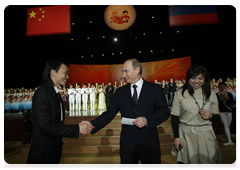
[[213, 45]]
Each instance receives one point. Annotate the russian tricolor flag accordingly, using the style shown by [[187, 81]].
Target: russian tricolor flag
[[180, 15]]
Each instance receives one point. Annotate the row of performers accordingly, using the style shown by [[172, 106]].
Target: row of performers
[[84, 98], [15, 101], [74, 98]]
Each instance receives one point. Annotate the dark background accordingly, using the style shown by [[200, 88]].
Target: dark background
[[213, 45]]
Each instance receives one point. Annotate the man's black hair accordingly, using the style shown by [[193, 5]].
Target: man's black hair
[[221, 83], [53, 64]]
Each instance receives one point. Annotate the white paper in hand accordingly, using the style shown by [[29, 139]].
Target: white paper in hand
[[127, 121]]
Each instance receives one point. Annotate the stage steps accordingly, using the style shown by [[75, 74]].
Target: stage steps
[[107, 139]]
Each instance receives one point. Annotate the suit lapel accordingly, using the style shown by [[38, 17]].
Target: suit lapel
[[142, 95], [128, 94]]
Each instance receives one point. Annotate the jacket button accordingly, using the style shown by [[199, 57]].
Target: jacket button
[[135, 111]]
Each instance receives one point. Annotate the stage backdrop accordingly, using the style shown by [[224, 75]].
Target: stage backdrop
[[85, 74]]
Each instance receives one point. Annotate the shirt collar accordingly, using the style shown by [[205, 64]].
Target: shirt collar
[[139, 83], [56, 89]]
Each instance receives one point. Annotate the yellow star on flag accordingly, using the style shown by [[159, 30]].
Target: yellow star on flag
[[32, 14]]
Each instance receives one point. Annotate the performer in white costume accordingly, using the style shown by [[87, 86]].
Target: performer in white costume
[[79, 92], [101, 102], [92, 96], [85, 97], [71, 93]]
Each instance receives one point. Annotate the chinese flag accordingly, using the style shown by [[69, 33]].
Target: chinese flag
[[48, 20]]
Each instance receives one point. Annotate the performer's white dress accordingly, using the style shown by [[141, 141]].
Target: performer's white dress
[[200, 147], [101, 101]]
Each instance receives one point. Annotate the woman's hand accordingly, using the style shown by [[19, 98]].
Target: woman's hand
[[177, 142], [205, 114], [226, 98]]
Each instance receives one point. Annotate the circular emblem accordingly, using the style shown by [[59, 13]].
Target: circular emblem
[[120, 17]]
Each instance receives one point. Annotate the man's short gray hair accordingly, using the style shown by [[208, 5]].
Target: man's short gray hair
[[135, 64]]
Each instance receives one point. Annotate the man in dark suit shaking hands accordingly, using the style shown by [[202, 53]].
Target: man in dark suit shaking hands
[[48, 116], [143, 107]]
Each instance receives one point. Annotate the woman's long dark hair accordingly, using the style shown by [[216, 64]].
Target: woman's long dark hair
[[53, 64], [194, 71]]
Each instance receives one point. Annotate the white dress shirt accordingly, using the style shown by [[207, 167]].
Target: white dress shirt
[[57, 90], [139, 87]]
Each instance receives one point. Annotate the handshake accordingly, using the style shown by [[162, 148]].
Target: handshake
[[85, 127]]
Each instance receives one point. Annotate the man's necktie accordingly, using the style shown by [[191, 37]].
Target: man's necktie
[[135, 99]]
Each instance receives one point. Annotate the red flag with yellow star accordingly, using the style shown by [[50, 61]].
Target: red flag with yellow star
[[48, 20]]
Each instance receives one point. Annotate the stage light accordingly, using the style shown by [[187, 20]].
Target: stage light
[[91, 55], [160, 32], [144, 33], [71, 39], [152, 16], [90, 22], [73, 23], [172, 49], [140, 52], [151, 51], [82, 56], [103, 36], [162, 50], [120, 52], [112, 53], [102, 54], [177, 31], [115, 39], [88, 38]]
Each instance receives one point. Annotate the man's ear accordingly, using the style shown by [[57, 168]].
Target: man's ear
[[138, 70], [52, 73]]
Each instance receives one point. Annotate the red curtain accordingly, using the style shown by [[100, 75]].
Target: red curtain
[[85, 74]]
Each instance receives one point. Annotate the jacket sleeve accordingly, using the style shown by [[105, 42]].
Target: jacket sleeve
[[46, 124], [162, 112], [106, 117]]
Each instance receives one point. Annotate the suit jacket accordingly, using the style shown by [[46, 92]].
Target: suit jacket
[[172, 88], [164, 88], [152, 105], [109, 93], [48, 129]]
